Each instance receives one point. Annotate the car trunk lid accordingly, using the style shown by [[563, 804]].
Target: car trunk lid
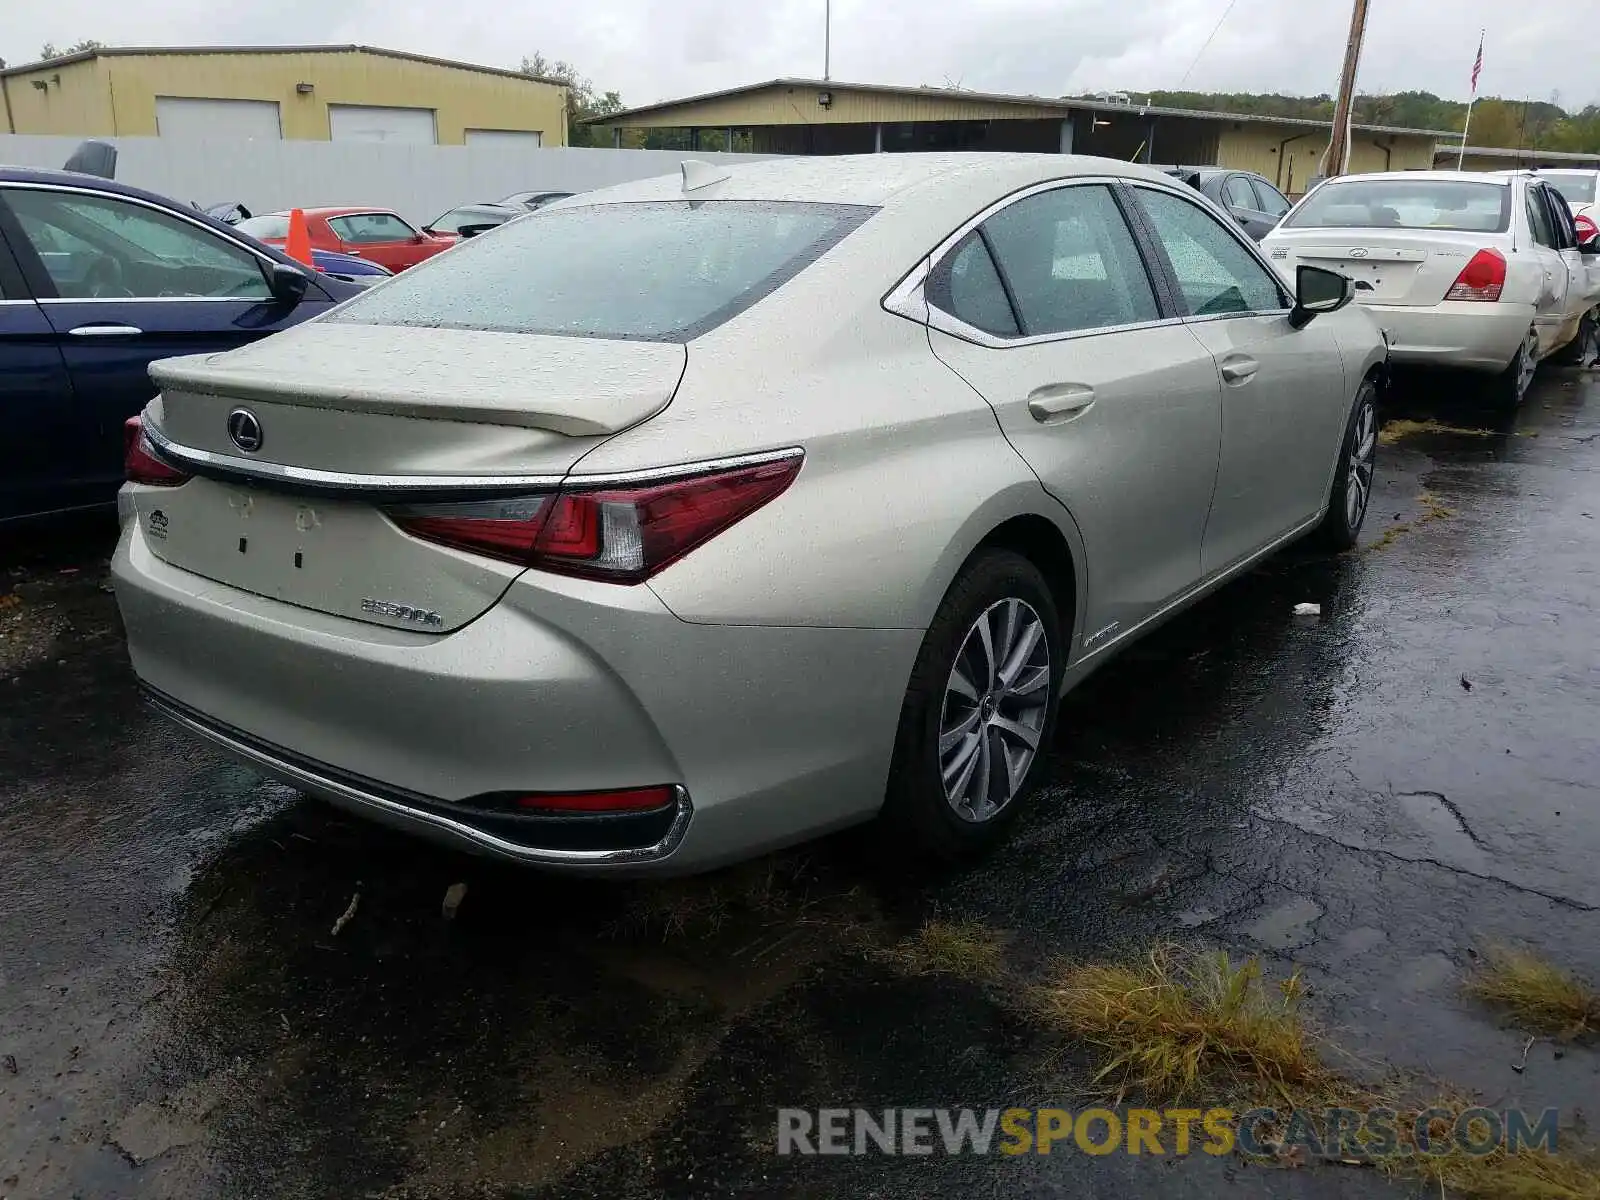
[[353, 419], [1387, 267]]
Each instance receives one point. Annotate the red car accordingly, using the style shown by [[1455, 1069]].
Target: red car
[[375, 234]]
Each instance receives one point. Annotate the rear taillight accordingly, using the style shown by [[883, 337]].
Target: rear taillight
[[619, 534], [1481, 279], [139, 461], [1587, 228]]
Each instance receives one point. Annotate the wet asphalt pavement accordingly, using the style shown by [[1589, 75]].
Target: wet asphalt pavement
[[178, 1017]]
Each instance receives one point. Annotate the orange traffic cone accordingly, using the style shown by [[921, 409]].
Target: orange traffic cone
[[298, 244]]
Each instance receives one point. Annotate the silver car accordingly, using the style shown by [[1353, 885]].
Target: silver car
[[703, 515]]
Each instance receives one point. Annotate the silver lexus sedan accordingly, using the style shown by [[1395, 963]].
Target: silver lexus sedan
[[706, 514]]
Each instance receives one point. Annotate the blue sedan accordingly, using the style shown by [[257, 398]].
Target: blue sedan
[[98, 279]]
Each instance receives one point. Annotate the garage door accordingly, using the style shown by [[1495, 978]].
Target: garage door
[[505, 139], [363, 123], [191, 116]]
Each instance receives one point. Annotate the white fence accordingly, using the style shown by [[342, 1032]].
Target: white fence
[[419, 182]]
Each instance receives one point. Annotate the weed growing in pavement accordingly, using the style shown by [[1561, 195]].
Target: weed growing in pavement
[[1538, 995]]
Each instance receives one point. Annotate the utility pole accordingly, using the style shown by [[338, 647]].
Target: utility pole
[[827, 40], [1337, 160]]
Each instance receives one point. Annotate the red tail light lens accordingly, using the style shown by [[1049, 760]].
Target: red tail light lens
[[140, 462], [620, 534], [1586, 228], [630, 800], [1481, 279]]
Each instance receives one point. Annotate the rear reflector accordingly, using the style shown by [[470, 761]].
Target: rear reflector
[[139, 461], [617, 534], [1481, 279], [629, 800]]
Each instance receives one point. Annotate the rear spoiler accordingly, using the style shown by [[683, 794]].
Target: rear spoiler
[[93, 158]]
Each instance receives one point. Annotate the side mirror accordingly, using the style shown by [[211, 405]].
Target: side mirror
[[1318, 291], [418, 238], [288, 283]]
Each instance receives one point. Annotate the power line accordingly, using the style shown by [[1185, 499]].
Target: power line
[[1214, 31]]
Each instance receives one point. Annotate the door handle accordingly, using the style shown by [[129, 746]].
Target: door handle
[[1060, 402], [106, 331], [1237, 370]]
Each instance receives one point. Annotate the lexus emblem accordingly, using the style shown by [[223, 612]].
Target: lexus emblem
[[245, 430], [1359, 252]]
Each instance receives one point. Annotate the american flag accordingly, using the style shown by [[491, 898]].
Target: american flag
[[1477, 65]]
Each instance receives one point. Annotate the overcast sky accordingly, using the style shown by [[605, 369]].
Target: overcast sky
[[656, 49]]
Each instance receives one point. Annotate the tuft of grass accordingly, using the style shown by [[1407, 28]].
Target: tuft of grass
[[1173, 1019], [1528, 1175], [964, 949], [1393, 431], [1538, 995]]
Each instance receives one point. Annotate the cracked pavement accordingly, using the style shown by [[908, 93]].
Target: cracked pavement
[[1374, 795]]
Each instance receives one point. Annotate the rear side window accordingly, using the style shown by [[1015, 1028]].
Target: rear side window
[[1071, 261], [967, 286], [1406, 204], [664, 271], [1539, 220]]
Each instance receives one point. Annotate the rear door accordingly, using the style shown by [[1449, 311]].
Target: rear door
[[39, 471], [382, 237], [1284, 395], [1550, 312], [1578, 300], [1049, 310], [1239, 196], [121, 283]]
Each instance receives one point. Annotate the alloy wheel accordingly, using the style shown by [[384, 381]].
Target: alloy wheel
[[1363, 451], [994, 709], [1527, 364]]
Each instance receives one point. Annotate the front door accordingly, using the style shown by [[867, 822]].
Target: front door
[[1284, 395], [1048, 311], [122, 283]]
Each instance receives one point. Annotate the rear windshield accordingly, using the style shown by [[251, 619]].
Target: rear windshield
[[273, 225], [660, 272], [1406, 204], [1577, 186]]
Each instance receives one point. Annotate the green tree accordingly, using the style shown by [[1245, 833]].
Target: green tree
[[583, 100], [49, 49]]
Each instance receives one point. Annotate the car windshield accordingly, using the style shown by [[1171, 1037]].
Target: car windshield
[[1406, 204], [663, 272], [1578, 187], [453, 220], [272, 225]]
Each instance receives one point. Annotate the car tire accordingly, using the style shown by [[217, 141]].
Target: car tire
[[963, 766], [1351, 493], [1508, 389], [1582, 349]]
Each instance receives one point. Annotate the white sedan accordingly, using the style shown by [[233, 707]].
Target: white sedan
[[1482, 272]]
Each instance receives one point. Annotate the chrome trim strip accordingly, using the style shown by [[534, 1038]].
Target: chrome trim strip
[[422, 820], [280, 473]]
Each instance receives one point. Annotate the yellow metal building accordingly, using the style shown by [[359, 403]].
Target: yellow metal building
[[305, 92], [811, 116]]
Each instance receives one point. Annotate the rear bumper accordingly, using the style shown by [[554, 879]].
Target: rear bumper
[[777, 734], [1456, 333]]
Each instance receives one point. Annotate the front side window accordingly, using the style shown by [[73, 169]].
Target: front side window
[[1454, 204], [664, 271], [1214, 272], [97, 247], [1239, 193], [1272, 202], [365, 229], [1071, 262]]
